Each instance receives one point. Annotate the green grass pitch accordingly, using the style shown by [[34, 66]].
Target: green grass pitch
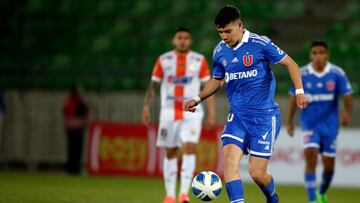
[[22, 187]]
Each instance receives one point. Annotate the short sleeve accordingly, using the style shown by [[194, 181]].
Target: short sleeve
[[204, 73], [344, 86], [273, 53], [157, 73], [218, 70]]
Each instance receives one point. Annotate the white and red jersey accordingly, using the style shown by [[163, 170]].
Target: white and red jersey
[[180, 77]]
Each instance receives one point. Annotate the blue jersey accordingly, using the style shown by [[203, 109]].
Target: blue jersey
[[250, 82], [323, 90]]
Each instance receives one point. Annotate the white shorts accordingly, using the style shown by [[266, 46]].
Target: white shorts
[[172, 134]]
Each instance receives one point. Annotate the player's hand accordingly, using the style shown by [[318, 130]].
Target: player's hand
[[146, 116], [190, 106], [345, 118], [210, 122], [302, 101], [290, 128]]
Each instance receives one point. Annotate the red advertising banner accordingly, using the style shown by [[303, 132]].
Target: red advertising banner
[[130, 149]]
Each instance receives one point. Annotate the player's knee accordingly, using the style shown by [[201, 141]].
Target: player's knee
[[329, 169], [310, 165], [189, 148], [171, 153], [231, 162], [257, 174], [231, 169]]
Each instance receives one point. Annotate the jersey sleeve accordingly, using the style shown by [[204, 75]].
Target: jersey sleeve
[[218, 70], [204, 73], [273, 53], [157, 74], [344, 86]]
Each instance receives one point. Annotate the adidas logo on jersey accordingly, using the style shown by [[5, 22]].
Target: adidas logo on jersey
[[235, 60], [267, 147]]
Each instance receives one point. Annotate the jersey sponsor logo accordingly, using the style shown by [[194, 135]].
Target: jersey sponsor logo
[[330, 86], [248, 60], [320, 97], [179, 80], [240, 75]]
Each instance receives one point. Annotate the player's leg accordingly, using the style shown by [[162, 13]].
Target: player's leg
[[168, 140], [234, 146], [188, 165], [311, 151], [264, 130], [328, 160], [232, 155], [258, 172], [190, 130]]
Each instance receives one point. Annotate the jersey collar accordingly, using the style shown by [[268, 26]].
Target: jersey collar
[[319, 74], [244, 39]]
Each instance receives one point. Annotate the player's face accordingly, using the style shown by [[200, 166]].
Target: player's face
[[182, 41], [231, 33], [319, 56]]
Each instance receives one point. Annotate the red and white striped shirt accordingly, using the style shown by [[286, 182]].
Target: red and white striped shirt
[[180, 77]]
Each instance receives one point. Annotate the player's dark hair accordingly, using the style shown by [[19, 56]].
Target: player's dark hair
[[227, 15], [319, 43], [183, 29]]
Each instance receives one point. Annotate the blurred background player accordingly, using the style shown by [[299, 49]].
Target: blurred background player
[[324, 83], [76, 120], [243, 59], [180, 73]]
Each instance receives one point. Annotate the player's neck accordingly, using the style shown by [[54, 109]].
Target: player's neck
[[319, 68], [181, 53]]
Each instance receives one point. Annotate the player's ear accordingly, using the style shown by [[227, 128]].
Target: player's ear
[[241, 24]]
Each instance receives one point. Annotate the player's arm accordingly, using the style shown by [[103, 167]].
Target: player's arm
[[348, 104], [295, 75], [210, 88], [149, 97], [290, 115], [210, 103]]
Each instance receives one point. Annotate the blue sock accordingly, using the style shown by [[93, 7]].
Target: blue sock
[[310, 184], [235, 191], [269, 192], [326, 180]]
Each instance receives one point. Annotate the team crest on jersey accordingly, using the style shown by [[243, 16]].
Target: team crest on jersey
[[330, 86], [248, 60]]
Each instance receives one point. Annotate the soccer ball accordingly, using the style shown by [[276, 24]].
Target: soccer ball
[[206, 186]]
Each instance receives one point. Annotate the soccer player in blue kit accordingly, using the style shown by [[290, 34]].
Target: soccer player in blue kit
[[243, 60], [324, 83]]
